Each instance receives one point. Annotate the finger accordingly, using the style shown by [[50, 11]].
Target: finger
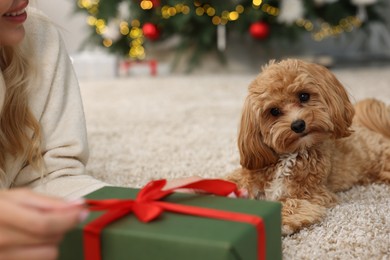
[[10, 237], [42, 252], [59, 222], [29, 198], [40, 223]]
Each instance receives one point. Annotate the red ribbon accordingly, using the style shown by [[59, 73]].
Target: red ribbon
[[146, 206]]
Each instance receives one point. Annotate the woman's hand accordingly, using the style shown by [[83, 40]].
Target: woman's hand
[[32, 225]]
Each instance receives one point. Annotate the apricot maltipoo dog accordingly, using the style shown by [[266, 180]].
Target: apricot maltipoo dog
[[301, 141]]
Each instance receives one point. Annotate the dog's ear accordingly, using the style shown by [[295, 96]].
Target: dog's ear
[[254, 153], [336, 97]]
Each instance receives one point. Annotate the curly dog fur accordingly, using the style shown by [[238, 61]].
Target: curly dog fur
[[301, 141]]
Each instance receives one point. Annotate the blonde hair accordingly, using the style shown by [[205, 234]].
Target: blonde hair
[[20, 132]]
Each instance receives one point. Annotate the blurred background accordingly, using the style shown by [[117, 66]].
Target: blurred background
[[115, 38]]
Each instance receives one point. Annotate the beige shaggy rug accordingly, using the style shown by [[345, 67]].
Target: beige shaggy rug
[[143, 128]]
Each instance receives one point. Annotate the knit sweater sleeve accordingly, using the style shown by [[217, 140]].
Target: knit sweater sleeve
[[56, 101]]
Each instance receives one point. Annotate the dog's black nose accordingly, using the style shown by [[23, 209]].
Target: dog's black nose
[[298, 126]]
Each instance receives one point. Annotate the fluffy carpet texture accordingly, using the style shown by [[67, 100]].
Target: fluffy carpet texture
[[144, 128]]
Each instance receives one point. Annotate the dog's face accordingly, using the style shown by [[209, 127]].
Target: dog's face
[[291, 106]]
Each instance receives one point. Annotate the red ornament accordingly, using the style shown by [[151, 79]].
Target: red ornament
[[259, 30], [151, 31]]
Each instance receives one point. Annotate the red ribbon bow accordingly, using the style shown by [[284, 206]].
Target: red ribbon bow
[[147, 207]]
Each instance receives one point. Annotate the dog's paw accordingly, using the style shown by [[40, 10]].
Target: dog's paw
[[297, 214]]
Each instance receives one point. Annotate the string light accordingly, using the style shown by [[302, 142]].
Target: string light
[[169, 11], [107, 43], [146, 4], [124, 28], [256, 3], [206, 9], [136, 37], [87, 4], [326, 30], [92, 6], [91, 20], [271, 10], [240, 9], [100, 25]]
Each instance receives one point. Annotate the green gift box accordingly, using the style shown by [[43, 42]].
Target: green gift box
[[179, 236]]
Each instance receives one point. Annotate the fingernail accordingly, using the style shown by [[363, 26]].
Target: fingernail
[[83, 215]]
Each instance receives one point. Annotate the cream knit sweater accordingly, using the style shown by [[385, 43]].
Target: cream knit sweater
[[56, 102]]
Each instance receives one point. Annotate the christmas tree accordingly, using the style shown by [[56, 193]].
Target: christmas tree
[[128, 27]]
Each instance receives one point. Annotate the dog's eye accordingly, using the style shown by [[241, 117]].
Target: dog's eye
[[275, 111], [304, 97]]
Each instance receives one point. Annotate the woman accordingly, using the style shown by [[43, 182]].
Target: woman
[[43, 142], [40, 94]]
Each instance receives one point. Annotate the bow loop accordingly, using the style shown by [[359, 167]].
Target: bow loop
[[153, 191]]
